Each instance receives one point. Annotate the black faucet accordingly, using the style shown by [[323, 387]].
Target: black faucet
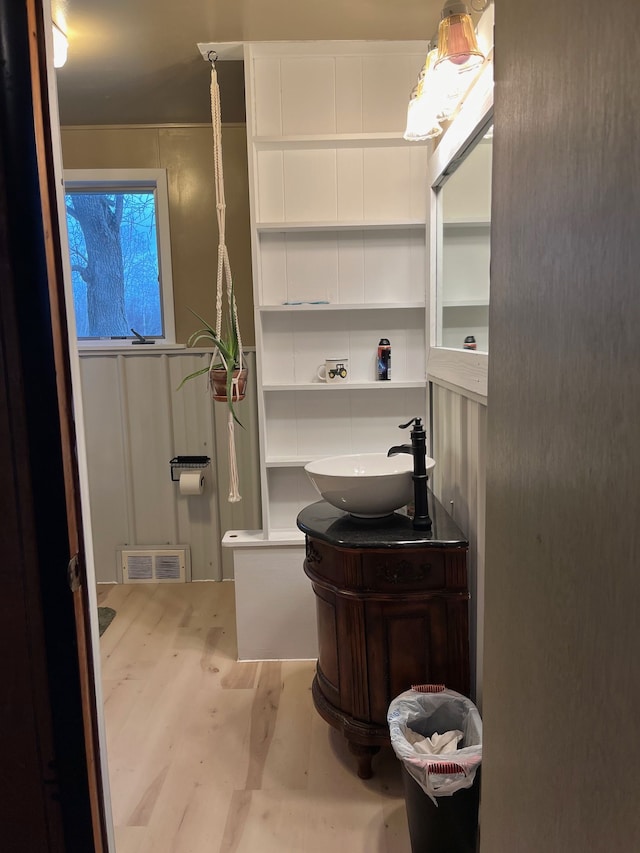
[[418, 449]]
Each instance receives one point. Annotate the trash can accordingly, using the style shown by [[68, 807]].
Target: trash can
[[437, 735]]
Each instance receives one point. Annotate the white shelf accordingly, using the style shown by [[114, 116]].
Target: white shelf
[[359, 225], [288, 461], [466, 303], [355, 306], [256, 539], [466, 223], [288, 536], [346, 386], [329, 140]]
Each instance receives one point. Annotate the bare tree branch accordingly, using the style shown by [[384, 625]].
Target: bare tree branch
[[72, 213], [118, 210], [82, 271]]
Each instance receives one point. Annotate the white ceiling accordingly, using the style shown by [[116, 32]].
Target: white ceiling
[[136, 61]]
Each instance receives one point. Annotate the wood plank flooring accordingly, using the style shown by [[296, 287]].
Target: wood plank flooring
[[208, 755]]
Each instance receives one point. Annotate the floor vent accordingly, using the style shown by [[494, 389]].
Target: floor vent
[[155, 565]]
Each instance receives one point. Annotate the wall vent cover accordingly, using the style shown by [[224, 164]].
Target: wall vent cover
[[154, 565]]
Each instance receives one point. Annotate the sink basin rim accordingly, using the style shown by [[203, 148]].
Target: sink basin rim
[[348, 482], [362, 465]]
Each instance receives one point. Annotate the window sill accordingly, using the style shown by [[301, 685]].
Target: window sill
[[124, 348], [102, 347]]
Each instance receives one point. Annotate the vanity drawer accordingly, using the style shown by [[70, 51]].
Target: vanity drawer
[[324, 563], [397, 571]]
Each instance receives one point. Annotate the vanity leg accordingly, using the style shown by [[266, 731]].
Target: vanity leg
[[364, 754]]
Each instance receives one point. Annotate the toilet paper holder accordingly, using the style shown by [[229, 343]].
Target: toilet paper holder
[[179, 463]]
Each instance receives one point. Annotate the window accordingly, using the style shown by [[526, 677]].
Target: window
[[118, 228]]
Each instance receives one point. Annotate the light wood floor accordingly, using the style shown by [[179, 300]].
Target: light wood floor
[[208, 755]]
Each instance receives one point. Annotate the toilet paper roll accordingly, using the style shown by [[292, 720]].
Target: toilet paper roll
[[192, 482]]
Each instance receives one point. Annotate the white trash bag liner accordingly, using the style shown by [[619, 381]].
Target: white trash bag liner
[[428, 713]]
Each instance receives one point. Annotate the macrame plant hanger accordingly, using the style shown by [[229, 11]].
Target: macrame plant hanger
[[224, 273]]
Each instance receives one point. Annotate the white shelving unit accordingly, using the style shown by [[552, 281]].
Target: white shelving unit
[[338, 210], [338, 231]]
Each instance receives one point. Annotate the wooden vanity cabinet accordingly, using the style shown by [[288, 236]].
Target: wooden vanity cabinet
[[389, 616]]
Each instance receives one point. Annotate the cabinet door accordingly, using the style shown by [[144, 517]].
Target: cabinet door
[[415, 642], [328, 669]]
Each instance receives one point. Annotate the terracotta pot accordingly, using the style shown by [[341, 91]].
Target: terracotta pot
[[218, 381]]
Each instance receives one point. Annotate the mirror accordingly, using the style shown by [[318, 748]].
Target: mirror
[[462, 293], [459, 175]]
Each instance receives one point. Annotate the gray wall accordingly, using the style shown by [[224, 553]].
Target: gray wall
[[561, 685]]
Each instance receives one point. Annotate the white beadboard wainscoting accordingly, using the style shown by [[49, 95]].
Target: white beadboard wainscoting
[[458, 481], [136, 421]]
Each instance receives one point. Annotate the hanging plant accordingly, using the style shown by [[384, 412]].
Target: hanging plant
[[227, 373]]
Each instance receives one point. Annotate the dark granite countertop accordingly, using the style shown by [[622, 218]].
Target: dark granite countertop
[[323, 521]]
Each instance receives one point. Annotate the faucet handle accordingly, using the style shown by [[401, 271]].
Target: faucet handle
[[417, 421]]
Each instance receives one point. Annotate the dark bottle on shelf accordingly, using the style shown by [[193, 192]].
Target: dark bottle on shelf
[[384, 359]]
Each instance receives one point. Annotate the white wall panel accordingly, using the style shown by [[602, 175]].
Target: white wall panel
[[275, 609], [308, 95], [136, 421], [351, 268], [385, 80], [291, 491], [266, 100], [350, 175], [418, 157], [348, 94], [310, 185], [247, 513], [458, 481], [273, 269], [312, 265], [352, 88], [145, 399], [337, 421], [197, 515], [270, 188], [108, 467], [387, 183]]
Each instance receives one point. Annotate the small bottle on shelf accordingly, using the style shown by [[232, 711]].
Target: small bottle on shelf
[[384, 359]]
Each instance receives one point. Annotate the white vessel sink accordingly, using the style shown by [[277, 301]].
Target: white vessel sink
[[367, 485]]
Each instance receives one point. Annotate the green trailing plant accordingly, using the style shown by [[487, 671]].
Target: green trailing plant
[[227, 345]]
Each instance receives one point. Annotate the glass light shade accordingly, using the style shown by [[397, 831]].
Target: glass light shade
[[457, 43], [421, 121], [449, 85], [60, 47], [424, 105]]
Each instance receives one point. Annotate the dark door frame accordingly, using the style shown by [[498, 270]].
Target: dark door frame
[[51, 797]]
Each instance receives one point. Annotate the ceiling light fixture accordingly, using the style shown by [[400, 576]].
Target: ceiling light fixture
[[457, 43], [452, 63], [60, 46]]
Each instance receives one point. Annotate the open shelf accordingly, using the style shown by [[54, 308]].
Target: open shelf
[[336, 306], [466, 303], [347, 386], [466, 223], [335, 225], [289, 461], [330, 140]]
